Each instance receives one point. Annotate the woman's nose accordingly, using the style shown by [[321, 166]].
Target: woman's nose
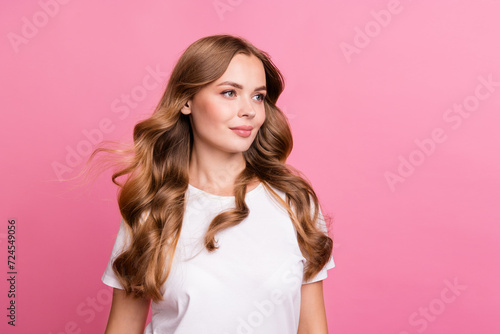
[[246, 108]]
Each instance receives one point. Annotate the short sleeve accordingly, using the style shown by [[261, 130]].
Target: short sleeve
[[121, 242], [322, 274]]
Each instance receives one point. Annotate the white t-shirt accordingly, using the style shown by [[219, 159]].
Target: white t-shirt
[[250, 284]]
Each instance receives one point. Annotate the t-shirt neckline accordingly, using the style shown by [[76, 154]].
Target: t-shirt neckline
[[248, 194]]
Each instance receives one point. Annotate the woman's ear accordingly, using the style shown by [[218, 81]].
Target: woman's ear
[[187, 108]]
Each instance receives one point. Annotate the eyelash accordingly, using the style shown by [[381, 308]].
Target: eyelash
[[263, 96]]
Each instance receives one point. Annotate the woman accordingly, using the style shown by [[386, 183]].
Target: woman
[[217, 231]]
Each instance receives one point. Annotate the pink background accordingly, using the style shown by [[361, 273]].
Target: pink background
[[365, 82]]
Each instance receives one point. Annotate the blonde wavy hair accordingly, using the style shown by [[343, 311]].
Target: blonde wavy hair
[[156, 168]]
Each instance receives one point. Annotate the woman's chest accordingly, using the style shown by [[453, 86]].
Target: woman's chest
[[258, 259]]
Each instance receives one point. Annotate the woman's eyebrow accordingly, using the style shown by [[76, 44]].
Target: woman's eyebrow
[[236, 85]]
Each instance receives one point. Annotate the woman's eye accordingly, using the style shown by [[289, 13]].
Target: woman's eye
[[262, 97], [228, 91]]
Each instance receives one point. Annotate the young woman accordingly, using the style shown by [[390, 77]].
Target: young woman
[[218, 233]]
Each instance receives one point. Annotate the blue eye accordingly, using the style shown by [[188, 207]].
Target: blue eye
[[228, 91], [262, 97]]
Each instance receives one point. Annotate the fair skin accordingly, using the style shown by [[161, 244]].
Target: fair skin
[[127, 315], [312, 317], [235, 99]]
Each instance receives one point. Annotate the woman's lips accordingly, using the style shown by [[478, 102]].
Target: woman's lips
[[242, 133]]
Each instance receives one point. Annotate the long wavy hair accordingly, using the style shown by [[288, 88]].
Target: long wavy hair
[[156, 169]]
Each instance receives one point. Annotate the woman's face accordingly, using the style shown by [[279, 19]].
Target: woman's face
[[236, 99]]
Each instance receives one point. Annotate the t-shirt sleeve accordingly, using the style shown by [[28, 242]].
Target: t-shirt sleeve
[[109, 276], [322, 274]]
